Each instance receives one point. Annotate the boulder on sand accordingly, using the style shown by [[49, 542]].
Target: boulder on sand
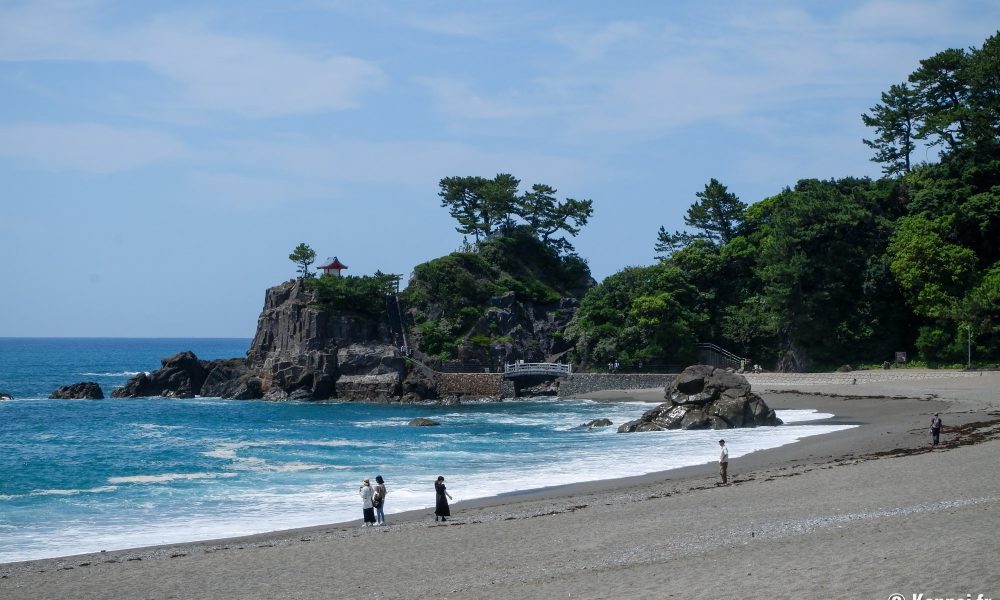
[[706, 397]]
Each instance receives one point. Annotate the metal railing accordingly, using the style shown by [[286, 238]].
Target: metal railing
[[710, 354], [520, 369]]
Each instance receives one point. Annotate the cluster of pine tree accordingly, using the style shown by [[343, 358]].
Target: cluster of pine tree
[[836, 271]]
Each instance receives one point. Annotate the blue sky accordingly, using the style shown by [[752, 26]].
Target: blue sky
[[159, 160]]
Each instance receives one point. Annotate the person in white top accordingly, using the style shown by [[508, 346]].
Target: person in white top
[[723, 461], [367, 508]]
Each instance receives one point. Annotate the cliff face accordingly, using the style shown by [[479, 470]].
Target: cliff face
[[530, 332], [301, 351]]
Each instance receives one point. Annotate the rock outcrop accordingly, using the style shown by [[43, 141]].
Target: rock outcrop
[[300, 352], [304, 351], [598, 423], [532, 332], [422, 422], [87, 390], [705, 397], [184, 375]]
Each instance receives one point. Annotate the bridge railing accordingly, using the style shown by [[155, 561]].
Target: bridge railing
[[518, 369], [710, 354]]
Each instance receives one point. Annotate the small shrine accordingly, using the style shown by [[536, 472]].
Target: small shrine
[[332, 266]]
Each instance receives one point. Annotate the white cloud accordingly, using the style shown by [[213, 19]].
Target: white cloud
[[247, 75], [713, 62], [253, 77], [89, 147], [393, 162], [913, 19], [590, 45], [456, 99]]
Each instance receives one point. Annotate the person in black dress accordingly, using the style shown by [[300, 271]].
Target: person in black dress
[[441, 509]]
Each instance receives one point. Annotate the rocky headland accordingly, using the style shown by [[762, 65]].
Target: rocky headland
[[706, 397], [303, 350]]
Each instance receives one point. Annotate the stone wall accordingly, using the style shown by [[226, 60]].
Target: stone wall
[[583, 383], [492, 385], [476, 385]]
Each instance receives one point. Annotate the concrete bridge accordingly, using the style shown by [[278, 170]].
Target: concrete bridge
[[522, 369]]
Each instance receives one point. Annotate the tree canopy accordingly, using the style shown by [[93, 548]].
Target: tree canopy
[[841, 270], [715, 216], [303, 256], [487, 207]]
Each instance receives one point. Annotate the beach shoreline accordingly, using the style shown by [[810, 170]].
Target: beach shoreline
[[891, 415]]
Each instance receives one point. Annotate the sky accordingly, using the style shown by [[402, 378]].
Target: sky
[[160, 160]]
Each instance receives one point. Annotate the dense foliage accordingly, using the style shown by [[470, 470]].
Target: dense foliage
[[485, 208], [837, 271], [449, 294], [363, 295]]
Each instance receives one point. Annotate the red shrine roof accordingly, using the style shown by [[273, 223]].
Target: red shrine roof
[[333, 263]]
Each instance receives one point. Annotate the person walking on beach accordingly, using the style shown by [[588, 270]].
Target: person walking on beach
[[723, 461], [935, 429], [367, 493], [441, 508], [378, 500]]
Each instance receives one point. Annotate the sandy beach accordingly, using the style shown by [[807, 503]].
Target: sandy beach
[[863, 513]]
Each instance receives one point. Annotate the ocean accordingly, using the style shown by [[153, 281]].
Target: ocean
[[88, 475]]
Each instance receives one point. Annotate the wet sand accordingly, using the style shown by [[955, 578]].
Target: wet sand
[[863, 513]]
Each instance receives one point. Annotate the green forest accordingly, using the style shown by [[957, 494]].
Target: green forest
[[842, 270], [823, 273]]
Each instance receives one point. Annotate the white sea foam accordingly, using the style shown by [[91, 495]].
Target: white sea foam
[[390, 422], [240, 504], [112, 374], [156, 426], [801, 416], [94, 490], [167, 477]]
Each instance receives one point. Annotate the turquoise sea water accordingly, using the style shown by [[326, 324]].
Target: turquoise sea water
[[87, 475]]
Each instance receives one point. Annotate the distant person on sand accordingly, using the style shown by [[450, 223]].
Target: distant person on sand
[[379, 500], [723, 462], [367, 493], [441, 508], [936, 429]]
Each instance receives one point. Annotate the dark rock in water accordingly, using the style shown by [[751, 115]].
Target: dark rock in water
[[5, 396], [598, 423], [86, 389], [705, 397], [536, 386], [183, 375], [422, 422], [231, 379]]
